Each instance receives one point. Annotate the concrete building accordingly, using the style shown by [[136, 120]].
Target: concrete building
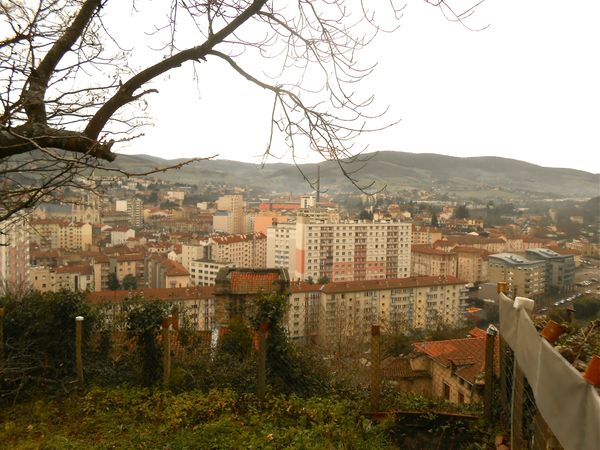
[[525, 277], [203, 272], [281, 246], [344, 251], [471, 264], [425, 235], [342, 312], [229, 217], [58, 233], [196, 305], [76, 277], [119, 235], [560, 269], [428, 261], [242, 250], [14, 257], [161, 272]]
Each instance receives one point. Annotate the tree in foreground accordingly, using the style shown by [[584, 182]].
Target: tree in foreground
[[68, 92]]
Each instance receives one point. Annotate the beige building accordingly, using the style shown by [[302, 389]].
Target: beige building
[[76, 277], [525, 277], [14, 257], [472, 264], [121, 265], [341, 312], [229, 217], [428, 261], [343, 251], [204, 272], [422, 235], [162, 272], [195, 305], [242, 250], [56, 233]]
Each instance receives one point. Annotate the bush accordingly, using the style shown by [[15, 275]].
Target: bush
[[39, 331]]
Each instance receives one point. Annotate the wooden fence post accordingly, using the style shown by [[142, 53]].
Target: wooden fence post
[[261, 381], [375, 367], [167, 350], [2, 312], [78, 355], [488, 393]]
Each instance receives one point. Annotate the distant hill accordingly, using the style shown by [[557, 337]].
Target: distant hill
[[398, 170]]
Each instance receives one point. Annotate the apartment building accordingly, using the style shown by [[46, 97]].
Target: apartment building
[[281, 246], [121, 265], [525, 277], [193, 252], [338, 312], [560, 269], [196, 306], [161, 272], [428, 261], [240, 250], [422, 235], [342, 251], [57, 233], [471, 264], [230, 214], [76, 277], [203, 272], [14, 257], [119, 235]]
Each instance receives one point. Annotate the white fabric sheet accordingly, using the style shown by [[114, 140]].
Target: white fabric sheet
[[569, 405]]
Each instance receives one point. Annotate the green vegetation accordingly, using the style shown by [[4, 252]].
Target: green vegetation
[[140, 418], [210, 401]]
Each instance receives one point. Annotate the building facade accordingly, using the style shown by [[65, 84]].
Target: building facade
[[525, 277], [343, 251]]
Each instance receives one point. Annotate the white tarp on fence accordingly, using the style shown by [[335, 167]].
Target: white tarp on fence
[[569, 405]]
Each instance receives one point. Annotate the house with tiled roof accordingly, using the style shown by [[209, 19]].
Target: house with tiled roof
[[456, 367], [235, 290], [161, 272]]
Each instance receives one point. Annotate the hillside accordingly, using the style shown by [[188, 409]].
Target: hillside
[[397, 170]]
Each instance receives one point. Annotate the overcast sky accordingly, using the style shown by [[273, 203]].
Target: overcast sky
[[527, 87]]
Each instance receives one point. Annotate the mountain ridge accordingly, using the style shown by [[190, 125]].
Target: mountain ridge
[[396, 170]]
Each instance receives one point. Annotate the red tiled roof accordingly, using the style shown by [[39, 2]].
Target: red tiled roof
[[388, 283], [468, 355], [80, 269], [427, 250], [184, 293], [253, 281], [175, 269], [462, 249]]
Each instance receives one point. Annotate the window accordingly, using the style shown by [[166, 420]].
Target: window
[[461, 398], [446, 391]]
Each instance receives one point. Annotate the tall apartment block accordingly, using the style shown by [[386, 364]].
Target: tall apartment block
[[230, 216], [14, 257], [341, 251]]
